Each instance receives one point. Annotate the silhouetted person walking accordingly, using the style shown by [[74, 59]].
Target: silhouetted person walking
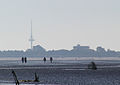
[[51, 59], [44, 59], [25, 59], [22, 60]]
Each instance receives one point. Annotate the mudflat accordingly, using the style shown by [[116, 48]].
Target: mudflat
[[64, 74]]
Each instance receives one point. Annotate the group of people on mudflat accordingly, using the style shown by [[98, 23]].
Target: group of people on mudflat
[[24, 59], [51, 59]]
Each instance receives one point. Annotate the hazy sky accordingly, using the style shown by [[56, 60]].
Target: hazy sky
[[60, 24]]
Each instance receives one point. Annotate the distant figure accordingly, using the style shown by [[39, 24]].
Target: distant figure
[[44, 59], [51, 59], [25, 59], [22, 60]]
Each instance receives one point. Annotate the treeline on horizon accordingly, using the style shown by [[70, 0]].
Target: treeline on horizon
[[77, 51]]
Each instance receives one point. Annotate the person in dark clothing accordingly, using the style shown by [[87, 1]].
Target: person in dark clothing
[[44, 59], [51, 59], [22, 60], [25, 59]]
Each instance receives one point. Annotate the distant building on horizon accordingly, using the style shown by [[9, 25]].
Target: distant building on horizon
[[77, 51], [78, 47]]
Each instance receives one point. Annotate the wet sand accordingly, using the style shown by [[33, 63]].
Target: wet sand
[[64, 74]]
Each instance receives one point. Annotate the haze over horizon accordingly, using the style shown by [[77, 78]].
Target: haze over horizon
[[60, 24]]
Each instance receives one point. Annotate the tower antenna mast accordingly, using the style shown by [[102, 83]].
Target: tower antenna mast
[[31, 37]]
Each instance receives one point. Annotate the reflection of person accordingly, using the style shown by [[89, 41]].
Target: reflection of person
[[44, 59], [51, 59]]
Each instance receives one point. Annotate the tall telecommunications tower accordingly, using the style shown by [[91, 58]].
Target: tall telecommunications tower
[[31, 37]]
